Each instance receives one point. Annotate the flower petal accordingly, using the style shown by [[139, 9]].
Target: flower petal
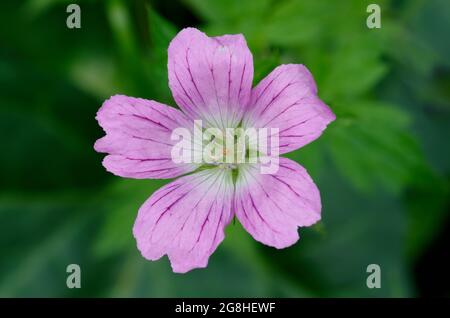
[[271, 207], [287, 99], [185, 219], [138, 139], [211, 78]]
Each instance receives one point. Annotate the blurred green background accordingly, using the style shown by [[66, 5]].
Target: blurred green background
[[382, 167]]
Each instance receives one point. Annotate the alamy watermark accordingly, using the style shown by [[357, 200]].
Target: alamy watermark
[[374, 19], [374, 279], [74, 278], [73, 21], [227, 148]]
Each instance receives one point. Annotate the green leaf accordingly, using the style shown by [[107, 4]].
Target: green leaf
[[57, 228], [370, 145], [161, 32], [223, 10], [122, 201]]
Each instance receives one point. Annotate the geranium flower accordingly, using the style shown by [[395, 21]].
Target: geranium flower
[[211, 80]]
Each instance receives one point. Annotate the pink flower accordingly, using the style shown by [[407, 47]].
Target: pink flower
[[211, 79]]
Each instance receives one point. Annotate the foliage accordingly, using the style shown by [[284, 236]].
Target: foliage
[[382, 166]]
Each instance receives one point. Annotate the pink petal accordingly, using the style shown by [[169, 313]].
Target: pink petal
[[185, 219], [138, 139], [211, 78], [271, 207], [287, 99]]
